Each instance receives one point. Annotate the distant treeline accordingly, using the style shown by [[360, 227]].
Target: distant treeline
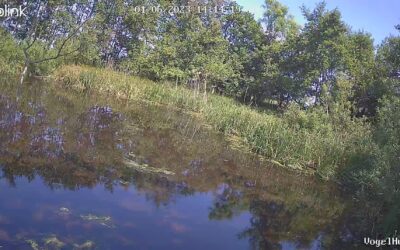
[[213, 44]]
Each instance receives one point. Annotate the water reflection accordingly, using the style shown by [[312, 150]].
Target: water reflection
[[64, 178]]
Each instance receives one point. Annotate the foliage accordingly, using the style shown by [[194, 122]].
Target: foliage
[[46, 29], [388, 138], [10, 54], [272, 62]]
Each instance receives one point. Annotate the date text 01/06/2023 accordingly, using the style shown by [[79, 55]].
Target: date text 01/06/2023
[[185, 9]]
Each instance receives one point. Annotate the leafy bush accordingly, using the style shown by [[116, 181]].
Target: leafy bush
[[11, 56], [388, 160]]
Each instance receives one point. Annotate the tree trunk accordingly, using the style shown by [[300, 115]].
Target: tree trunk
[[23, 74], [205, 88]]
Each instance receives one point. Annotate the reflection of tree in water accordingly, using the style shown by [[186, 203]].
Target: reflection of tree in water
[[161, 190], [85, 148], [268, 218], [228, 202], [303, 221], [268, 222], [80, 151], [74, 150], [99, 136]]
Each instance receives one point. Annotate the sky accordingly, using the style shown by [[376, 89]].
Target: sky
[[378, 17]]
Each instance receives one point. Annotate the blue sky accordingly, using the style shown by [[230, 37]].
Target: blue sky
[[377, 17]]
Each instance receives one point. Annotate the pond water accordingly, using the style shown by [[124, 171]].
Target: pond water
[[79, 171]]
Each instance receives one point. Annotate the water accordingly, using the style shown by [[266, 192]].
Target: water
[[79, 171]]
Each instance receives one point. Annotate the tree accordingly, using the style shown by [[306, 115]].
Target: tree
[[388, 64], [277, 21], [281, 33], [323, 45], [245, 39], [289, 84], [360, 67], [49, 27]]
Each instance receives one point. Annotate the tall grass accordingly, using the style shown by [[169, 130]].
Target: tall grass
[[302, 140]]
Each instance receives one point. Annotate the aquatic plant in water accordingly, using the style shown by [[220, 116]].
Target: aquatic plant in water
[[133, 163], [64, 211], [34, 245], [53, 242], [87, 245], [102, 220]]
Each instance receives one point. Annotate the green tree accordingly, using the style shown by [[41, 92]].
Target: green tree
[[245, 38], [281, 33], [323, 45], [48, 28], [360, 68], [278, 23], [10, 54], [388, 66]]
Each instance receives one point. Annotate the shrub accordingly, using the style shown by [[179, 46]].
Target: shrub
[[11, 56]]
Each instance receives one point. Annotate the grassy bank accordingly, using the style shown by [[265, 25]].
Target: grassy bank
[[311, 140]]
